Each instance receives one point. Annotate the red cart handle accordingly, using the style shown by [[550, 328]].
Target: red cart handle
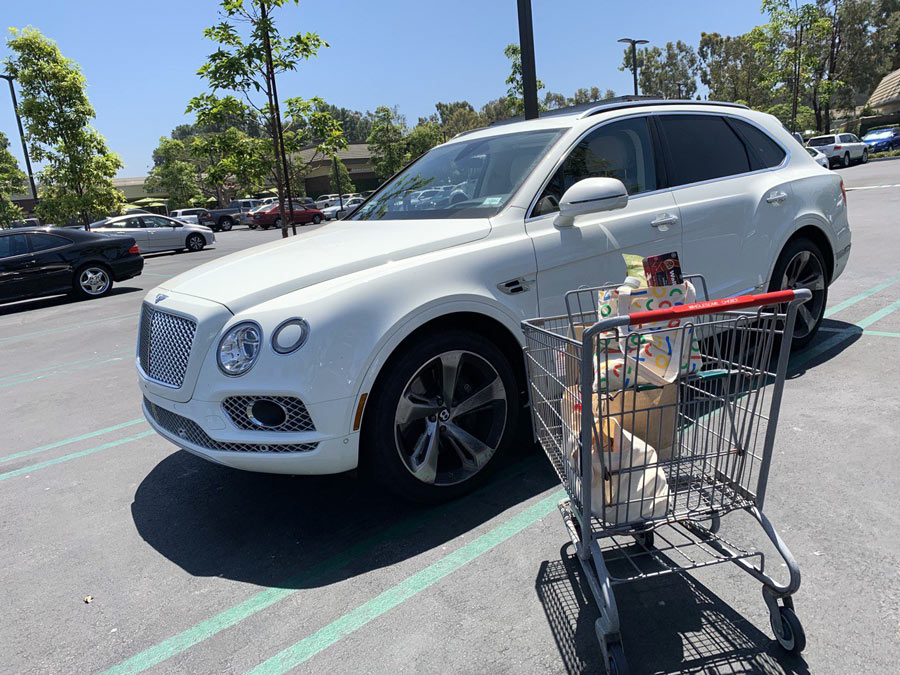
[[713, 306]]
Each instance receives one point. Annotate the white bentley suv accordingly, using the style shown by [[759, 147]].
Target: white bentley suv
[[390, 340]]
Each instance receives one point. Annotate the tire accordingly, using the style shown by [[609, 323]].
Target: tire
[[277, 224], [865, 157], [92, 281], [845, 160], [316, 220], [435, 456], [796, 265], [792, 638], [195, 243], [617, 664], [226, 224], [251, 226]]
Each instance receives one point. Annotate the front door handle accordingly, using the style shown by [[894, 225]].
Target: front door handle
[[664, 220], [776, 197]]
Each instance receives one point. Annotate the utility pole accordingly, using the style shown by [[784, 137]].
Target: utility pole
[[337, 180], [634, 68], [681, 87], [12, 93], [526, 47]]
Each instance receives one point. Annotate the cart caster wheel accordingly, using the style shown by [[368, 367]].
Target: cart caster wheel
[[644, 539], [715, 523], [616, 663], [791, 636]]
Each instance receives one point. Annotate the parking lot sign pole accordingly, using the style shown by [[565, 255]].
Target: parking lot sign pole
[[526, 47], [12, 93]]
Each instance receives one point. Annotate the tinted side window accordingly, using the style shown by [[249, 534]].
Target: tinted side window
[[43, 242], [620, 150], [153, 221], [13, 244], [702, 147], [767, 151]]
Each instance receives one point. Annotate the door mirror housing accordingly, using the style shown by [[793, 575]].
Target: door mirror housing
[[591, 195]]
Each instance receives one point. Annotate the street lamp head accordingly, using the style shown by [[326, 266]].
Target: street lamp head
[[632, 41], [642, 42]]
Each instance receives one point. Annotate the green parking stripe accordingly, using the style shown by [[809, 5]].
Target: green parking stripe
[[394, 596], [65, 329], [83, 437], [60, 371], [862, 296], [879, 333], [64, 364], [74, 455], [880, 314], [234, 615]]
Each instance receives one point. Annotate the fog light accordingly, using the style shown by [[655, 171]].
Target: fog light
[[266, 413]]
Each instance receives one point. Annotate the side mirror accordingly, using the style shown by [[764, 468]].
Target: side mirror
[[591, 195]]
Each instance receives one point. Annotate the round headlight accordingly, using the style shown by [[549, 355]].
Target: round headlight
[[290, 336], [239, 348]]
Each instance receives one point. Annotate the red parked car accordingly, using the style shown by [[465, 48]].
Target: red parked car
[[271, 216]]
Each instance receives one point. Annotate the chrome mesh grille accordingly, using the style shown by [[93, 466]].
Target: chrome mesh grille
[[297, 418], [164, 345], [191, 432]]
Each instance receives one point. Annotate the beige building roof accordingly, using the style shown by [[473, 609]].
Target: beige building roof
[[354, 151], [887, 92]]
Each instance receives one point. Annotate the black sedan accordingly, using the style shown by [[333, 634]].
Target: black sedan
[[45, 261]]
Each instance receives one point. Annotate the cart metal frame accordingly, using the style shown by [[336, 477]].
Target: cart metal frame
[[721, 421]]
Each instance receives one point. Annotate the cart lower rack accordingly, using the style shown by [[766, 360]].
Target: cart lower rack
[[659, 423]]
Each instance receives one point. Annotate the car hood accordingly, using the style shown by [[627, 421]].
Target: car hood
[[242, 280]]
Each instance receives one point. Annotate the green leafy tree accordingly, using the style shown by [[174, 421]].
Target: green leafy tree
[[12, 181], [515, 92], [669, 73], [248, 65], [355, 125], [387, 143], [423, 137], [731, 70], [496, 110], [174, 172], [78, 168], [458, 117], [340, 178]]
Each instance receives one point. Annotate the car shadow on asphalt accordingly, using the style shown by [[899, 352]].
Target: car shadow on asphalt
[[307, 531], [833, 339], [58, 300], [669, 624]]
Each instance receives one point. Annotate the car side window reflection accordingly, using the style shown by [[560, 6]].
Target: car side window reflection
[[620, 150], [12, 245]]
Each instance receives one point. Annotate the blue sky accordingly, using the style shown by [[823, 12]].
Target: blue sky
[[141, 58]]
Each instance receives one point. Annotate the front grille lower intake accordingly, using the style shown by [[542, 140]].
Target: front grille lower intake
[[240, 411], [191, 432]]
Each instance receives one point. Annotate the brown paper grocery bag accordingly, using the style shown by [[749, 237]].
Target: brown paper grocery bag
[[649, 415]]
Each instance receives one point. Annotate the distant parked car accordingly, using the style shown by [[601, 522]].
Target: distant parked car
[[335, 211], [236, 212], [28, 222], [157, 233], [271, 216], [38, 261], [841, 149], [882, 140], [821, 159], [324, 201], [197, 216]]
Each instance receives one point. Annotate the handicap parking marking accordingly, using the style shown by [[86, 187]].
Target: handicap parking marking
[[337, 630], [75, 455]]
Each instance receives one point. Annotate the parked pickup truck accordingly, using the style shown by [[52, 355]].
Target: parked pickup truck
[[236, 212]]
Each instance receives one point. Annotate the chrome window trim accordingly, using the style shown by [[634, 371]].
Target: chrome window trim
[[717, 113]]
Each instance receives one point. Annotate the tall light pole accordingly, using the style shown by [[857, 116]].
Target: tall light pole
[[12, 93], [634, 44], [526, 49]]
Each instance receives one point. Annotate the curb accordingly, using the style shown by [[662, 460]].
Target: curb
[[882, 159]]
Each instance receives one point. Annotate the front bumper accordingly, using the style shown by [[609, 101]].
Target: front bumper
[[202, 428]]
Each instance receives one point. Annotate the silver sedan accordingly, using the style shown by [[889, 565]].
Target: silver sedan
[[157, 233]]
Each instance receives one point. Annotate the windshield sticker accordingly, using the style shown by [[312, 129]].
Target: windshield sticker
[[492, 201]]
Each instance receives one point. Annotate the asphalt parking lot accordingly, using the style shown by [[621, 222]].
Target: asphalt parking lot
[[193, 567]]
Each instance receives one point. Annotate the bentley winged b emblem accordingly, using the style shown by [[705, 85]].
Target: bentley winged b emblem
[[159, 298]]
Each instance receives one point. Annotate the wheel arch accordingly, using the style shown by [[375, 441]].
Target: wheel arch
[[815, 234], [485, 321]]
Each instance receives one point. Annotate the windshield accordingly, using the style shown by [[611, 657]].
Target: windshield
[[812, 153], [466, 179], [821, 140], [881, 133]]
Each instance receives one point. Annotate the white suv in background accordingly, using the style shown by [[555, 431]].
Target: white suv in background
[[390, 340], [841, 149]]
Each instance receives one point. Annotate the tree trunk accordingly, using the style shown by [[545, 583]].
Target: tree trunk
[[275, 127]]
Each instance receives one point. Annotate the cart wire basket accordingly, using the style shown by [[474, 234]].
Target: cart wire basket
[[659, 423]]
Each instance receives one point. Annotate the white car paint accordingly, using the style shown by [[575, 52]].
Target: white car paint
[[154, 233], [840, 149], [821, 160], [365, 285]]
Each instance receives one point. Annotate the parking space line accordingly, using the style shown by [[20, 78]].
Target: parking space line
[[878, 333], [82, 437], [65, 329], [880, 314], [256, 603], [64, 364], [340, 628], [65, 371], [81, 453], [862, 296]]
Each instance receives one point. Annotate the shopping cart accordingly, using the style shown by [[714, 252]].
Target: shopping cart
[[664, 462]]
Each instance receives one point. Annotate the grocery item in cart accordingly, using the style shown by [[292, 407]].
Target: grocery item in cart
[[663, 270], [627, 484]]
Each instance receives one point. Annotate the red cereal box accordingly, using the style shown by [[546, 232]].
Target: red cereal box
[[663, 269]]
